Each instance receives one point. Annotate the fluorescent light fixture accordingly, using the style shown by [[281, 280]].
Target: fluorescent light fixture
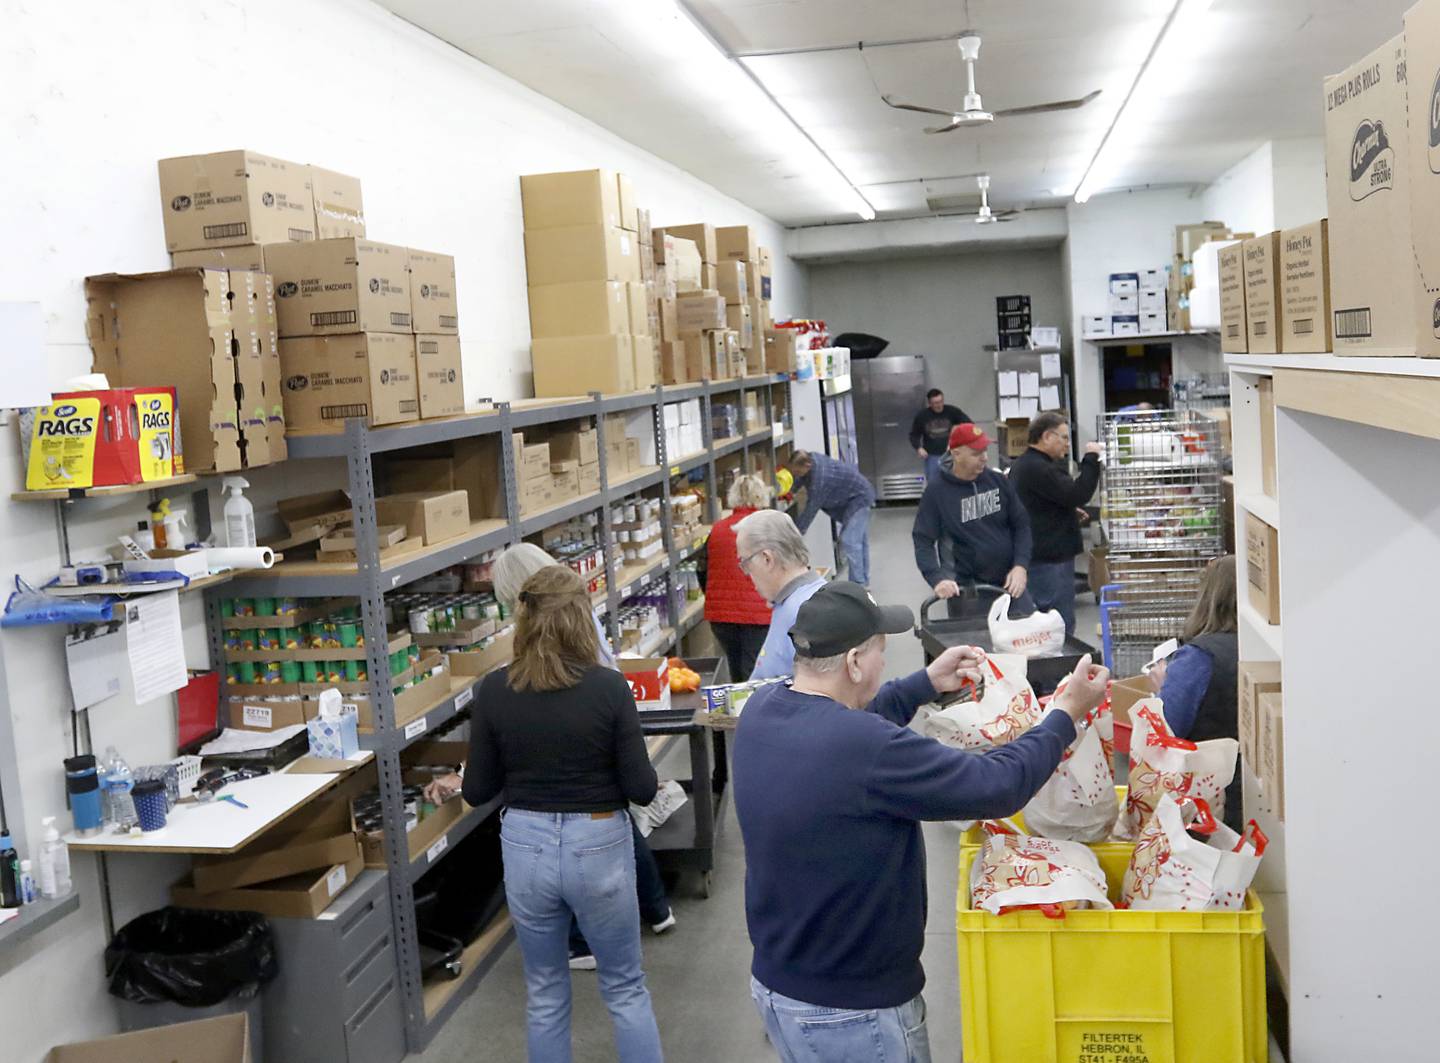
[[1177, 34], [734, 91]]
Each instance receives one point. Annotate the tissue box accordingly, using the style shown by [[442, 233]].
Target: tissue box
[[335, 739]]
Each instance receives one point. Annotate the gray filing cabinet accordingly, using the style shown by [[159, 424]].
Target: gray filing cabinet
[[337, 996]]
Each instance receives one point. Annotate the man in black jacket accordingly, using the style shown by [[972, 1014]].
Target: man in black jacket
[[1042, 480], [930, 431], [971, 528]]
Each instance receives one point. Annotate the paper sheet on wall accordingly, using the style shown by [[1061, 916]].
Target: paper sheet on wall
[[95, 665], [25, 381], [1050, 366], [1029, 385], [1049, 397], [1009, 408], [1029, 407], [1009, 383], [155, 645]]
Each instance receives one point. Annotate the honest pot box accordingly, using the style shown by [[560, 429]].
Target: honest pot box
[[329, 287], [234, 197], [1305, 289], [1262, 294], [1257, 678], [1262, 567], [1373, 280], [1422, 66]]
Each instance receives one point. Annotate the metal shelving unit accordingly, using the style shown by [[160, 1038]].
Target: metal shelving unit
[[370, 579]]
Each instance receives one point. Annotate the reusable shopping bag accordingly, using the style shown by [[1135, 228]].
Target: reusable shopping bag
[[1012, 872], [1161, 763], [1170, 870], [1006, 709], [1078, 802], [1037, 635]]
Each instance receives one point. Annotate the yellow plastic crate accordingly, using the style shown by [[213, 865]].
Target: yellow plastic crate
[[1110, 987]]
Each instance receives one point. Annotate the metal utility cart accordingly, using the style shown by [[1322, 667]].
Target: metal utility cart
[[686, 841]]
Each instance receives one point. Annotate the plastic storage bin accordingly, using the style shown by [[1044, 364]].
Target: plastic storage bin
[[1162, 987]]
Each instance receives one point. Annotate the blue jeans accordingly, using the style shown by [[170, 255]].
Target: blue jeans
[[649, 890], [855, 543], [1052, 584], [932, 466], [557, 864], [807, 1033]]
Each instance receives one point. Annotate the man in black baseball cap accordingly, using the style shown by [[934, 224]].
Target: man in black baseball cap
[[830, 802]]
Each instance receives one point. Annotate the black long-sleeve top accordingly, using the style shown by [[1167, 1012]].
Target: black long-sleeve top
[[932, 430], [1051, 497], [573, 750]]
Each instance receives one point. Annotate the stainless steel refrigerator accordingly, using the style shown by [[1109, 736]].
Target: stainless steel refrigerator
[[888, 394]]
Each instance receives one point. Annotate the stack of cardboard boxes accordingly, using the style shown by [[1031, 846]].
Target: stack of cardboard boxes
[[358, 329], [589, 308], [683, 433]]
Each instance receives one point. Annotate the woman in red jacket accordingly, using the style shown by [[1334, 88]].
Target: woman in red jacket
[[737, 614]]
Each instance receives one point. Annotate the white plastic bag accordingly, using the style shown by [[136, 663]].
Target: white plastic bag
[[1006, 709], [670, 796], [1161, 763], [1171, 871], [1013, 871], [1078, 802], [1037, 635]]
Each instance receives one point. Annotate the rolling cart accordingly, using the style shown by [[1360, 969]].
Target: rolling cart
[[686, 841], [968, 624]]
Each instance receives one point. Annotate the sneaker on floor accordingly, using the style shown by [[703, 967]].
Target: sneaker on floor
[[665, 924], [582, 961]]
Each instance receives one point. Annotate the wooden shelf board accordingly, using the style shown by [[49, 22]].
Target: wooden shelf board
[[104, 492]]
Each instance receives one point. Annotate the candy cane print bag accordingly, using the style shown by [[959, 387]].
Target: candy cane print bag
[[1013, 872], [1006, 709], [1172, 871], [1161, 763]]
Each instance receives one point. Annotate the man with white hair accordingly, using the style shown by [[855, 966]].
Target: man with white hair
[[774, 555], [831, 786]]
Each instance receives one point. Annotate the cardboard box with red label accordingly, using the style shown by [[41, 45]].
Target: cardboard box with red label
[[649, 679]]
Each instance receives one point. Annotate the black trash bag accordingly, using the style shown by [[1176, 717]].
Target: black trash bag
[[191, 957], [861, 344]]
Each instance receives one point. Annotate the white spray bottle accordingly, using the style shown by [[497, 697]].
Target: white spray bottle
[[239, 514], [54, 862]]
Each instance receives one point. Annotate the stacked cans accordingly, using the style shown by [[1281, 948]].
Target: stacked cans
[[433, 614]]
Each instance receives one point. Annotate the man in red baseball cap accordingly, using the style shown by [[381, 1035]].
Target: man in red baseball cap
[[971, 527]]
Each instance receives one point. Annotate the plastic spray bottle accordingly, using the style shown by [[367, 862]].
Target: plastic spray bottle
[[239, 514], [54, 862], [158, 527], [175, 519]]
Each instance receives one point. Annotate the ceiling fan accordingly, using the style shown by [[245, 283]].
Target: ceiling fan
[[986, 216], [974, 112]]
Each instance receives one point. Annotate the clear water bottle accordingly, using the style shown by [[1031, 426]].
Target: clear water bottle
[[116, 782]]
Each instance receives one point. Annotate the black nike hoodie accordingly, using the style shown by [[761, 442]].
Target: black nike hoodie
[[975, 530]]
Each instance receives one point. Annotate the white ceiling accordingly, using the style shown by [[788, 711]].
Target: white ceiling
[[1255, 75]]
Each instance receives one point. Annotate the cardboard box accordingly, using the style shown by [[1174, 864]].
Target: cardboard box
[[737, 319], [234, 197], [781, 350], [1374, 284], [223, 1039], [1422, 66], [267, 865], [707, 276], [1262, 294], [476, 465], [736, 243], [302, 896], [1095, 325], [434, 305], [1262, 567], [578, 197], [256, 324], [1305, 289], [566, 484], [241, 256], [581, 253], [730, 282], [339, 207], [1272, 752], [647, 372], [176, 328], [328, 287], [629, 215], [260, 715], [1125, 693], [581, 447], [104, 438], [532, 460], [1099, 569], [669, 319], [1257, 678], [1268, 481], [1189, 237], [685, 268], [589, 478], [702, 236], [649, 679], [441, 376], [577, 365], [479, 662], [1234, 336], [699, 311], [322, 511], [673, 362], [431, 517], [331, 378], [582, 308], [536, 496], [638, 300]]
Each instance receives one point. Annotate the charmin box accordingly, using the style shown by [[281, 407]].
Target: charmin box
[[328, 287], [1262, 293], [234, 197], [1233, 334], [1422, 90], [433, 305], [329, 379], [1305, 289], [1373, 280]]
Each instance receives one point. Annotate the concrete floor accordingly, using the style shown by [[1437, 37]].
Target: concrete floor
[[699, 971]]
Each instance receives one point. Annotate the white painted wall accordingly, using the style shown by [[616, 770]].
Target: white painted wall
[[1298, 172], [943, 308], [1243, 197], [99, 93]]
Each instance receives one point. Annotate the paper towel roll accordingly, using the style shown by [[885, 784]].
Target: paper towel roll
[[239, 557], [87, 382]]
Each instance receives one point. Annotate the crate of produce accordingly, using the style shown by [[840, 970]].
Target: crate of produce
[[1164, 987]]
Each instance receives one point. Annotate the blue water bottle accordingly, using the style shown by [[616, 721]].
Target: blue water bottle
[[82, 783]]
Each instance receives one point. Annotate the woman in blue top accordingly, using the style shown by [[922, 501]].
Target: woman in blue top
[[1198, 681]]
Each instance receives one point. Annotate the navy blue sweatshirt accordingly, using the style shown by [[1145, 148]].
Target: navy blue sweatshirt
[[830, 801], [980, 528]]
